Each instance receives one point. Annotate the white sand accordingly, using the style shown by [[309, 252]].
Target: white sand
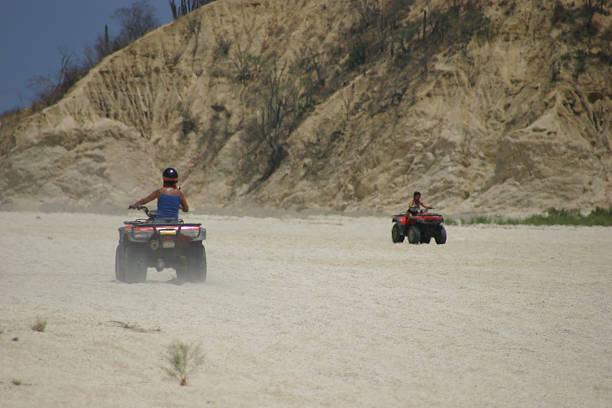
[[323, 311]]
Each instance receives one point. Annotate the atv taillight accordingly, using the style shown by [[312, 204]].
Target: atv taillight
[[142, 234], [191, 233]]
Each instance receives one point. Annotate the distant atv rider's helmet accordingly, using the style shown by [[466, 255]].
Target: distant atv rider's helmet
[[416, 193], [170, 175]]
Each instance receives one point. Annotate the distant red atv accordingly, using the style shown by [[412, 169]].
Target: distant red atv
[[155, 243], [419, 226]]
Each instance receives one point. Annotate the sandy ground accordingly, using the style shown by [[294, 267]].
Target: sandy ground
[[320, 311]]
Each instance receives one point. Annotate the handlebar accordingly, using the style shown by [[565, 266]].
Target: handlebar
[[415, 210], [140, 208]]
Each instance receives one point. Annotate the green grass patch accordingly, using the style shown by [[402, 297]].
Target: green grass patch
[[597, 217], [480, 219], [451, 221]]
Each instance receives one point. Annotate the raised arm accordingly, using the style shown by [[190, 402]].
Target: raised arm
[[150, 197]]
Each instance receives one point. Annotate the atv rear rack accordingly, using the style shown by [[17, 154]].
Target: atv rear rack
[[147, 223]]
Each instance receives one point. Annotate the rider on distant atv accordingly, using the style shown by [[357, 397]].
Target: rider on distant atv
[[416, 204], [169, 198]]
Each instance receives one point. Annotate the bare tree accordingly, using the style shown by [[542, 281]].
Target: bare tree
[[134, 22], [186, 6], [101, 47], [277, 99], [246, 64], [50, 90]]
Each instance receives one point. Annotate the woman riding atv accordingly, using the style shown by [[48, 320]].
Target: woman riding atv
[[169, 198], [416, 204]]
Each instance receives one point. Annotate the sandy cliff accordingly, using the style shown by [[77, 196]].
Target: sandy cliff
[[508, 109]]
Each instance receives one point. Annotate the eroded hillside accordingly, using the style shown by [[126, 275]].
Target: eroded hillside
[[343, 105]]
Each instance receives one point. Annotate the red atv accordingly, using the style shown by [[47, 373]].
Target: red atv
[[419, 226], [153, 242]]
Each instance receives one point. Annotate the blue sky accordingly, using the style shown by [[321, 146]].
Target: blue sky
[[31, 31]]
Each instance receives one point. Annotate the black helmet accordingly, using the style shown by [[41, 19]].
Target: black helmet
[[416, 193], [170, 174]]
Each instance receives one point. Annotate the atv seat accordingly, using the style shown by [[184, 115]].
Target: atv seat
[[413, 211], [166, 221]]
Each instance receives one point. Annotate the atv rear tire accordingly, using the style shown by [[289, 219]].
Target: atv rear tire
[[135, 263], [396, 235], [195, 265], [441, 236], [120, 263], [414, 235]]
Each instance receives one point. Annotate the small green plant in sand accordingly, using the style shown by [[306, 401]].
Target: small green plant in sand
[[182, 360], [40, 325], [16, 381]]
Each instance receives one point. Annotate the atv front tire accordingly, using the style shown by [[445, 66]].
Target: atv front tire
[[396, 235], [135, 263], [414, 235], [441, 236]]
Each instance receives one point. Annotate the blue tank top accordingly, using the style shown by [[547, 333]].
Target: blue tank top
[[168, 206]]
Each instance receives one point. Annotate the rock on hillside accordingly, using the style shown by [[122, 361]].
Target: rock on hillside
[[342, 105]]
